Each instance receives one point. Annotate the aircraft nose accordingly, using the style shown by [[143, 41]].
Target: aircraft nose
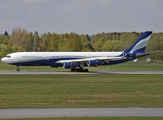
[[2, 59]]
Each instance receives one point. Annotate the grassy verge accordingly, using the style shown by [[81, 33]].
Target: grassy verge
[[95, 118], [131, 66], [140, 65], [4, 66], [62, 91]]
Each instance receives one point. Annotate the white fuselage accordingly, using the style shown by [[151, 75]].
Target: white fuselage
[[21, 57]]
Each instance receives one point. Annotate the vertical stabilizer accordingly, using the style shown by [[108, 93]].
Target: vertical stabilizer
[[141, 44]]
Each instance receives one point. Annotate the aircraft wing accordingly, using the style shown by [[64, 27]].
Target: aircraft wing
[[88, 59]]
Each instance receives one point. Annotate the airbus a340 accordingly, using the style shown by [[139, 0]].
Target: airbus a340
[[76, 61]]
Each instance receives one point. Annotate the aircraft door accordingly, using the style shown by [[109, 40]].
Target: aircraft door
[[17, 57]]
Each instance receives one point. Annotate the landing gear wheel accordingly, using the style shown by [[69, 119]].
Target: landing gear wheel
[[79, 70], [86, 70], [72, 70], [18, 68]]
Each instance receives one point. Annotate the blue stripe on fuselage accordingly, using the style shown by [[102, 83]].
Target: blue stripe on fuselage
[[51, 62], [43, 62]]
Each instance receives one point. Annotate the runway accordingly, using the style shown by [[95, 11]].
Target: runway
[[35, 72], [81, 112]]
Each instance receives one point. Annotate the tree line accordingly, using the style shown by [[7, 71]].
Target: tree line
[[21, 40]]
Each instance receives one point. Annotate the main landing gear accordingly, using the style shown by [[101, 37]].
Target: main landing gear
[[79, 69], [18, 68]]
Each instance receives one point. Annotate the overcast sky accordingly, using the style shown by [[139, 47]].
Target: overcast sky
[[81, 16]]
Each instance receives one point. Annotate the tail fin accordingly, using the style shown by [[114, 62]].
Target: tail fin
[[140, 44]]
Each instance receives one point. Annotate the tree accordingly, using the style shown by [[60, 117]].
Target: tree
[[5, 39], [86, 43], [19, 37], [21, 49], [62, 42], [6, 34], [1, 36], [49, 35], [112, 45], [54, 42], [98, 44], [88, 38], [86, 50], [4, 48], [37, 41], [31, 42], [14, 48], [74, 42], [128, 39], [43, 43]]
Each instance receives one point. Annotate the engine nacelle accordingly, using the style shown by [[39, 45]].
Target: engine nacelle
[[94, 63], [70, 65]]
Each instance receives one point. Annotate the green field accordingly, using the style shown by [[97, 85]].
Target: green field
[[131, 66], [55, 91], [128, 66], [4, 66], [95, 118], [63, 91]]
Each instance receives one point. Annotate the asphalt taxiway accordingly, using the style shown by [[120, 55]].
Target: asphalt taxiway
[[35, 72], [81, 112]]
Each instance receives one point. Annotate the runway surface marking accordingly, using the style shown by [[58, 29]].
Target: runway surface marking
[[35, 72], [81, 112]]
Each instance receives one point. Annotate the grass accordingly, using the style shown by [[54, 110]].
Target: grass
[[129, 66], [4, 66], [49, 91], [63, 91], [95, 118]]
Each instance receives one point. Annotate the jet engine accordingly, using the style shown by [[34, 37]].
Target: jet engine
[[70, 65], [94, 63]]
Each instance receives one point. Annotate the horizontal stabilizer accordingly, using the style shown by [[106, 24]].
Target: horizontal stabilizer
[[145, 53], [154, 52]]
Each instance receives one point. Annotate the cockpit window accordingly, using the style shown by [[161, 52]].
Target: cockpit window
[[8, 56]]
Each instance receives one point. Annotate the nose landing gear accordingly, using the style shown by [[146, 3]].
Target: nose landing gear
[[18, 68]]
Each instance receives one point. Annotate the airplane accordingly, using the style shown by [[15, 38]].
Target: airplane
[[76, 61]]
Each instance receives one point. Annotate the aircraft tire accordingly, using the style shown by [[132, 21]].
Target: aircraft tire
[[86, 70], [79, 70], [72, 70]]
